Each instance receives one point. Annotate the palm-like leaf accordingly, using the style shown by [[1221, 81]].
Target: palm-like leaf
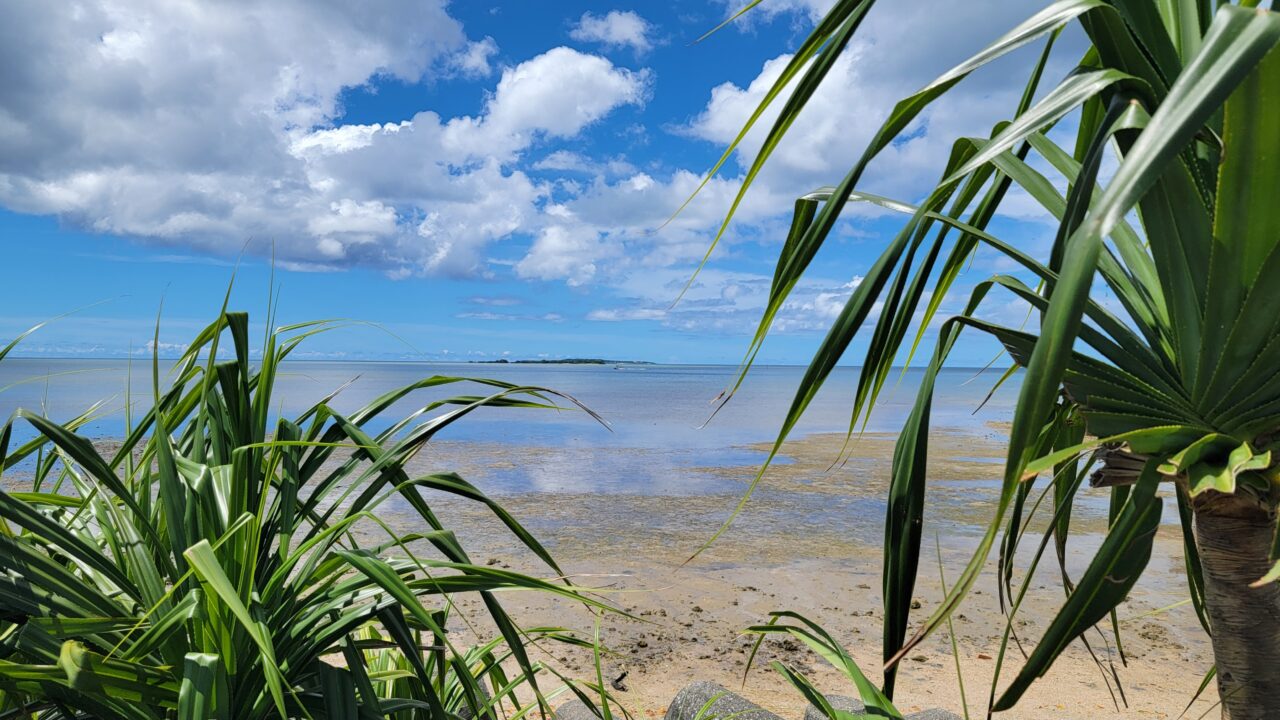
[[1181, 377]]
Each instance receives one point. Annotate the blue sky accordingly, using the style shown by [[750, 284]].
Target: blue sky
[[482, 179]]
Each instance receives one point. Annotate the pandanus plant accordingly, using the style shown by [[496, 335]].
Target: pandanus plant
[[217, 562], [1175, 385]]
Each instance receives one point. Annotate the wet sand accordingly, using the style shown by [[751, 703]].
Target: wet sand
[[809, 541]]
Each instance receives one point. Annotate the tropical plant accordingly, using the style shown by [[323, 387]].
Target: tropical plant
[[209, 565], [1177, 382]]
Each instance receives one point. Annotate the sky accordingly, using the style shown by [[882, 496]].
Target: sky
[[474, 179]]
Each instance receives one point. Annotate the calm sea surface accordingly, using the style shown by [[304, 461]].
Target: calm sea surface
[[656, 413], [658, 467], [646, 406]]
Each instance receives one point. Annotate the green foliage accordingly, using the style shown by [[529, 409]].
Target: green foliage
[[208, 566], [821, 642], [1187, 93]]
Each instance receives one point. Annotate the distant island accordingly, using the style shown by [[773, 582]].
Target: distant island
[[564, 361]]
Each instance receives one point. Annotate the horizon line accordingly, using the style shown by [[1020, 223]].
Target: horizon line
[[530, 361]]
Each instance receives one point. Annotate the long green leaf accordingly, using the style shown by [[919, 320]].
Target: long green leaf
[[1112, 573]]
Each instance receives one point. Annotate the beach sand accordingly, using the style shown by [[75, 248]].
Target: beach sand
[[774, 557]]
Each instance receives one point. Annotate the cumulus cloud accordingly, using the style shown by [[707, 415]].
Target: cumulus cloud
[[842, 117], [616, 226], [459, 195], [617, 28], [190, 87], [188, 125], [556, 94], [568, 252], [723, 301], [630, 210]]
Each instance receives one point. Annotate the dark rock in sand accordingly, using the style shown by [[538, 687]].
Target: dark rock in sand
[[934, 714], [575, 710], [854, 705], [839, 702], [689, 703], [721, 704], [465, 712]]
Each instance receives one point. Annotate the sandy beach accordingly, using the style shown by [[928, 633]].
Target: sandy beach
[[692, 617], [808, 541]]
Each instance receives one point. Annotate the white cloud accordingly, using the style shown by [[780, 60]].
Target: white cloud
[[724, 301], [633, 215], [623, 314], [839, 121], [817, 309], [164, 349], [617, 28], [568, 252], [569, 161], [474, 62], [360, 221], [495, 300], [186, 124], [183, 125], [510, 317], [556, 94], [863, 86], [196, 87]]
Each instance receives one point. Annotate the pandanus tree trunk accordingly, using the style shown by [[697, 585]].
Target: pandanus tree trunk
[[1234, 538]]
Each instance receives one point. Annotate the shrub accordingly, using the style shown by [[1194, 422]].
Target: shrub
[[207, 567]]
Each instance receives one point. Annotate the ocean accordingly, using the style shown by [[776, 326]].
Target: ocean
[[659, 416], [647, 407], [658, 464], [659, 479]]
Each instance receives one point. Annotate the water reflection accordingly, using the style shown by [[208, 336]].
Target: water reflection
[[658, 406]]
